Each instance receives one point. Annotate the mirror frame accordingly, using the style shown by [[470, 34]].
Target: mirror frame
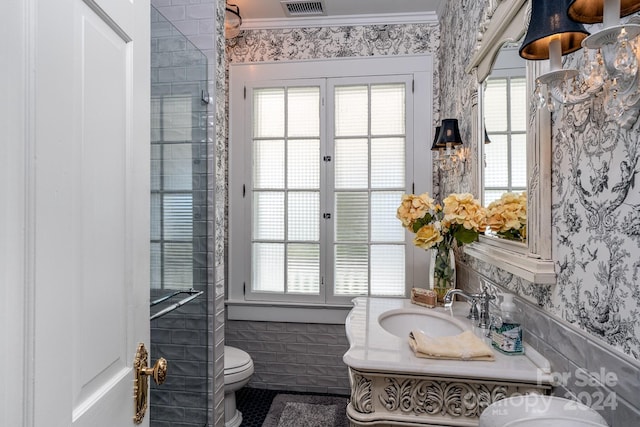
[[505, 21]]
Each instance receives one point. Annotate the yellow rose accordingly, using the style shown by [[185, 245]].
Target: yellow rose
[[427, 237], [414, 207]]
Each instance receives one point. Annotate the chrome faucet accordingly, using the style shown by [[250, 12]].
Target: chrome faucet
[[473, 311], [484, 298]]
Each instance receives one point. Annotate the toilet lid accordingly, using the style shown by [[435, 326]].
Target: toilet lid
[[235, 360], [539, 411]]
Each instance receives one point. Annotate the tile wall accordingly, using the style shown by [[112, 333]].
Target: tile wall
[[202, 22], [293, 356]]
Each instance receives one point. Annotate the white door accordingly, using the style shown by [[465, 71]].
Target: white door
[[84, 170]]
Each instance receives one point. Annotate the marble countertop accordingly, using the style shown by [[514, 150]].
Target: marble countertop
[[373, 349]]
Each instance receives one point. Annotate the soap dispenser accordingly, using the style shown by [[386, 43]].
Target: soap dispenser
[[506, 335]]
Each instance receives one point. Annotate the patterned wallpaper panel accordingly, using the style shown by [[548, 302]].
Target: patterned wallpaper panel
[[596, 202]]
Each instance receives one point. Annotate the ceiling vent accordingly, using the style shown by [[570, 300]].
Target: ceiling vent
[[297, 8]]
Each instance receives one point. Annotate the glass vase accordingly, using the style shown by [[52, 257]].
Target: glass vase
[[442, 270]]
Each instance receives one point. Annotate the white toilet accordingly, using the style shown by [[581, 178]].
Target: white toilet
[[539, 411], [238, 368]]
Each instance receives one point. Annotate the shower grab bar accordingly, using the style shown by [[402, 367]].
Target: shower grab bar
[[171, 295], [176, 305]]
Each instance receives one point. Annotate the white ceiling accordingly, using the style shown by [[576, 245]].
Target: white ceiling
[[259, 10]]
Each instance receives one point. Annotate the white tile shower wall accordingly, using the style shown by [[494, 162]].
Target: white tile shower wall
[[293, 356]]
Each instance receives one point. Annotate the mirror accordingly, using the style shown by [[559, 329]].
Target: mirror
[[503, 173], [504, 23]]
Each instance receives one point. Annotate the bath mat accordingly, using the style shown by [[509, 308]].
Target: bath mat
[[295, 410]]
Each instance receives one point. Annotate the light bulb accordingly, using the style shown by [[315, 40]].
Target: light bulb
[[588, 69], [541, 100], [596, 79], [625, 61], [614, 105], [550, 104]]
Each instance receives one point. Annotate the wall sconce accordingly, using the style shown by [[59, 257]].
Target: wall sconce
[[551, 35], [610, 75], [614, 69], [448, 143], [232, 21]]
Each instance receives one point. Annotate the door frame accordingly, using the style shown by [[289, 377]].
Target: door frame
[[17, 23]]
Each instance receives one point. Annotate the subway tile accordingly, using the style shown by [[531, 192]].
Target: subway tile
[[264, 356], [168, 351], [276, 326], [254, 346], [200, 11], [277, 347], [171, 43], [186, 337], [196, 353], [203, 41], [559, 363], [161, 336], [297, 327], [167, 413], [625, 413], [184, 367], [337, 350], [317, 348], [620, 375], [568, 342], [285, 357], [286, 337], [173, 13], [297, 348]]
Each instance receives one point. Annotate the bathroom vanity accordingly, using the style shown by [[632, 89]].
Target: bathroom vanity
[[390, 386]]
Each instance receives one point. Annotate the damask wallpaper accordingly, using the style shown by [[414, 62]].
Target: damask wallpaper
[[596, 203]]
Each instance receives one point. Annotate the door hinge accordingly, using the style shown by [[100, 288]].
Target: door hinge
[[244, 288], [326, 215], [244, 190], [245, 92], [413, 86], [326, 158], [413, 188]]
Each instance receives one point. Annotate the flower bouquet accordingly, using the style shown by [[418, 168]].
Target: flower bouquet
[[507, 216], [459, 220]]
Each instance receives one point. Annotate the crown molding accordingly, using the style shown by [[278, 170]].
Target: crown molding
[[340, 21]]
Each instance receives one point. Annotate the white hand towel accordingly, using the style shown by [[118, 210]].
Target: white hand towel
[[465, 346]]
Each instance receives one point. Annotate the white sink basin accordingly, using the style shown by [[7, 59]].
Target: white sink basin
[[400, 322]]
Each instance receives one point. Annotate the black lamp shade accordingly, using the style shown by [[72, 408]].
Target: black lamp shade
[[435, 146], [449, 133], [486, 137], [592, 11], [549, 18]]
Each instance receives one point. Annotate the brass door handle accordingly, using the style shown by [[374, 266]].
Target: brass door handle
[[140, 382], [158, 372]]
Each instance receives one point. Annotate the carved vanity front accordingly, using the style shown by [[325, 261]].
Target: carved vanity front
[[390, 386]]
